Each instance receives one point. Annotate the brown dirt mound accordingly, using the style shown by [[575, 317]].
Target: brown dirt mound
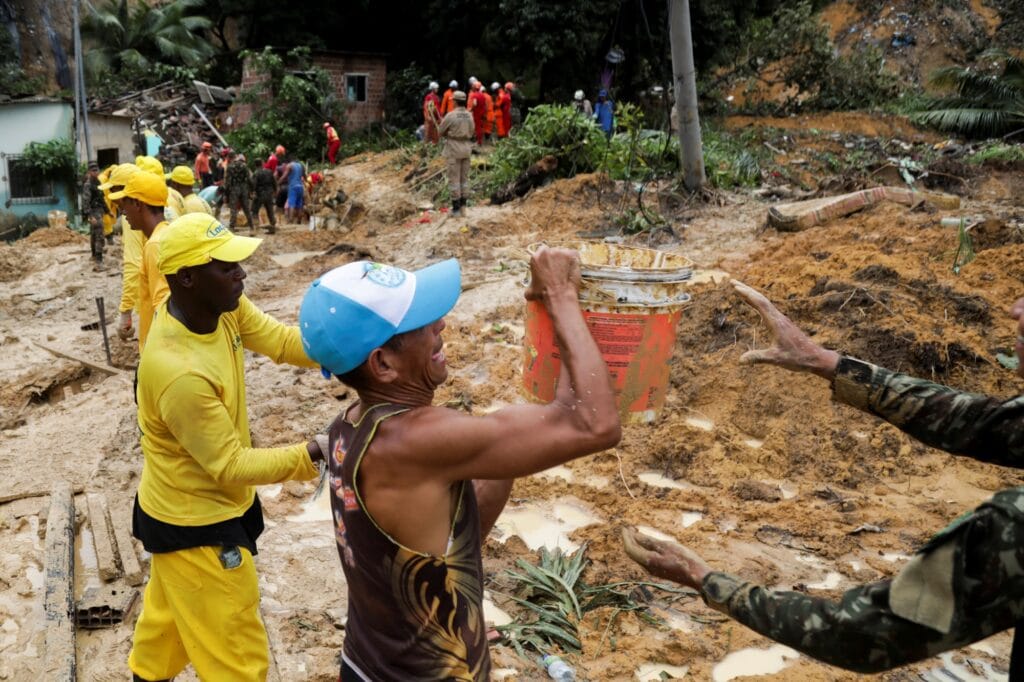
[[15, 262], [55, 236]]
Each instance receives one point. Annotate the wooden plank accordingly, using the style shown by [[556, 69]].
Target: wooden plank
[[59, 601], [11, 497], [113, 371], [133, 574], [103, 540]]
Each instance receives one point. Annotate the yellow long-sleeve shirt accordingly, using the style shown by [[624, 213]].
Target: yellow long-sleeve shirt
[[153, 288], [132, 242], [200, 466]]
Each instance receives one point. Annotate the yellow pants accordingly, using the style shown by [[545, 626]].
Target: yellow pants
[[196, 610]]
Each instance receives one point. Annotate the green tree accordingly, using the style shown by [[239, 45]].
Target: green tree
[[291, 107], [984, 102], [122, 37]]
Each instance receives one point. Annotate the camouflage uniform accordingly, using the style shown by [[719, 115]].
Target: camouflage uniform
[[94, 208], [965, 584], [266, 188], [237, 185]]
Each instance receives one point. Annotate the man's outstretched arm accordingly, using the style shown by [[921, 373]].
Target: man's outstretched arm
[[961, 423]]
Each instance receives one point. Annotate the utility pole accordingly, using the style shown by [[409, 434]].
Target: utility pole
[[684, 76], [82, 106]]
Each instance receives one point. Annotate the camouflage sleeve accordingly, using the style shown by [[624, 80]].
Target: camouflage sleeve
[[975, 425], [862, 633]]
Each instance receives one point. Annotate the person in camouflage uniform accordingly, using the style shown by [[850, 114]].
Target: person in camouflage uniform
[[965, 584], [265, 189], [237, 186], [94, 208]]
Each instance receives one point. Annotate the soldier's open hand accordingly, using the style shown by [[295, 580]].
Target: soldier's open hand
[[665, 559], [791, 348]]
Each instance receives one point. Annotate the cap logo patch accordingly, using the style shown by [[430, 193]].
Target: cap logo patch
[[384, 275]]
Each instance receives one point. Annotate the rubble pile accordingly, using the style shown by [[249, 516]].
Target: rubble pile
[[174, 112]]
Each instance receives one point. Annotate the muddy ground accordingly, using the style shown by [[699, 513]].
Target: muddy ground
[[755, 468]]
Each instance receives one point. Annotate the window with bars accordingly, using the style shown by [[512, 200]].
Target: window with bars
[[26, 186]]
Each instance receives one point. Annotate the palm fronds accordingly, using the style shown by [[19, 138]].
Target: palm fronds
[[555, 599], [984, 102]]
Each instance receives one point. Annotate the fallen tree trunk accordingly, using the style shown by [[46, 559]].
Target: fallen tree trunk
[[534, 176]]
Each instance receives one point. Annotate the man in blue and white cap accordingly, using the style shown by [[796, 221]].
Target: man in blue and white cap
[[415, 488]]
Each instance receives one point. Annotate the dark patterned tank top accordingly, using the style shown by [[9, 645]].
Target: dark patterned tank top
[[411, 615]]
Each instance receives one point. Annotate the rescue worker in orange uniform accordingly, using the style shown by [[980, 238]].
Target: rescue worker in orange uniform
[[447, 104], [503, 110], [489, 129], [478, 107], [431, 115]]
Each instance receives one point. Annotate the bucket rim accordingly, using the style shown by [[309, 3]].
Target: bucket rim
[[682, 301], [682, 272]]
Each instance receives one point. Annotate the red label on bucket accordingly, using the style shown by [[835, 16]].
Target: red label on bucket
[[635, 347]]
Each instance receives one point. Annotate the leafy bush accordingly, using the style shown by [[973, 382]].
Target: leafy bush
[[403, 96], [300, 99], [376, 138], [53, 160], [728, 161], [575, 140]]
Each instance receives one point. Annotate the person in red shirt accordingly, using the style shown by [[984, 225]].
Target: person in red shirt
[[333, 142], [202, 165], [504, 106], [478, 107], [274, 159], [489, 128], [431, 115], [447, 103]]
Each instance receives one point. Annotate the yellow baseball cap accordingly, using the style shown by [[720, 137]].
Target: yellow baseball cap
[[182, 175], [198, 238], [119, 175], [149, 164], [148, 188]]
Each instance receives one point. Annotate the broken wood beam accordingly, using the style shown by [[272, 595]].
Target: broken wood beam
[[133, 574], [102, 538], [12, 497], [59, 601]]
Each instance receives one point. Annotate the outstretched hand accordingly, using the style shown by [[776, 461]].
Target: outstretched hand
[[665, 559], [791, 348]]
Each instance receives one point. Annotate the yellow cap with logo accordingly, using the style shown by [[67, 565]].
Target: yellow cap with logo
[[198, 238]]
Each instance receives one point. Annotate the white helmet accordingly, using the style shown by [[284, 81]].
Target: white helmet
[[453, 84], [472, 79], [495, 85], [578, 96], [433, 85]]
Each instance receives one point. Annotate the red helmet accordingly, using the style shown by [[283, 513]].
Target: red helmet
[[207, 145], [279, 150], [225, 151]]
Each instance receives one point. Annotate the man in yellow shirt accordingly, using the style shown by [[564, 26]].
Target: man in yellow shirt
[[131, 244], [196, 510], [143, 200], [182, 180]]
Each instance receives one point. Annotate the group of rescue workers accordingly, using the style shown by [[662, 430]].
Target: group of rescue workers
[[415, 488]]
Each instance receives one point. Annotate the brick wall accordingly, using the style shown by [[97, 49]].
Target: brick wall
[[338, 66]]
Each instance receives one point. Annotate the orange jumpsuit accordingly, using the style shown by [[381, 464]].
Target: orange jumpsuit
[[503, 113], [478, 107], [447, 103], [489, 121]]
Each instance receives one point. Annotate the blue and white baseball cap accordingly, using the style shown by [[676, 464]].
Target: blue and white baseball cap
[[353, 309]]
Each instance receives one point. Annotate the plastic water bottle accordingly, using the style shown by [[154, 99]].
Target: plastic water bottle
[[558, 669]]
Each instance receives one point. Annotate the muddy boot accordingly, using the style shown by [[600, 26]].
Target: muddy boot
[[270, 229]]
